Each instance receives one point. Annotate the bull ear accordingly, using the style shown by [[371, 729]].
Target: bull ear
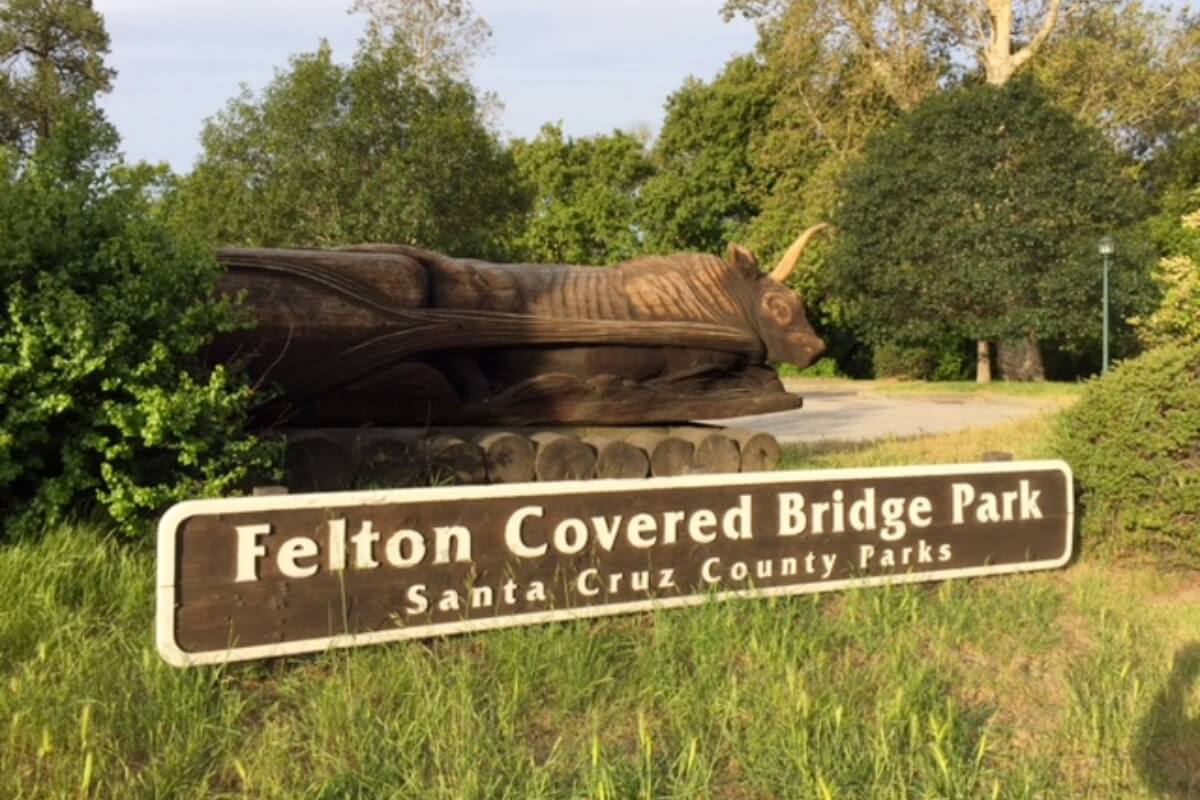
[[742, 260]]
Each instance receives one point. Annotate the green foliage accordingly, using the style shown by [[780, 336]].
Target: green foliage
[[332, 154], [705, 192], [584, 196], [838, 72], [102, 395], [1177, 319], [823, 368], [906, 363], [444, 36], [941, 360], [976, 216], [1174, 173], [51, 61], [1133, 442], [1127, 67]]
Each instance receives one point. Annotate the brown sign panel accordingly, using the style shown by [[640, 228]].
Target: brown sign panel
[[269, 576]]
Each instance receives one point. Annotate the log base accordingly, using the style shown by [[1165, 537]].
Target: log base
[[341, 459]]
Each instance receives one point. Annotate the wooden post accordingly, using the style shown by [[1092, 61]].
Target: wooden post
[[455, 460], [393, 464], [509, 457], [669, 455], [760, 451], [616, 458], [563, 458], [715, 452]]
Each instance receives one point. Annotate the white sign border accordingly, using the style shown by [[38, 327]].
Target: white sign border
[[169, 525]]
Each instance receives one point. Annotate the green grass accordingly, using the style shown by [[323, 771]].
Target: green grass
[[1027, 438], [1055, 392], [1073, 684], [1040, 390]]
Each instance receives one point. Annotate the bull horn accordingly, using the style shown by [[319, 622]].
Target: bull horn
[[792, 257]]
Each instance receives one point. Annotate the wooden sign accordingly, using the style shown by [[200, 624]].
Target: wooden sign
[[271, 576]]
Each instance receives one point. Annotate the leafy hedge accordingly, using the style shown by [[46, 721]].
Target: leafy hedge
[[1133, 442], [104, 400]]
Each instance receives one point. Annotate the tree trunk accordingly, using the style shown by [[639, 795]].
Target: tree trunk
[[996, 54], [1021, 359], [983, 363]]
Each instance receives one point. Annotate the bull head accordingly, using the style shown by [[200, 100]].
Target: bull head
[[779, 311]]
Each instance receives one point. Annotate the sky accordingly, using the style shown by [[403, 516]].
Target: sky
[[593, 65]]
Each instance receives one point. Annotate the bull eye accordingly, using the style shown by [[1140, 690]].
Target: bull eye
[[779, 309]]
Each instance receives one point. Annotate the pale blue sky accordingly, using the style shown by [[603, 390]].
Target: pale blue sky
[[593, 64]]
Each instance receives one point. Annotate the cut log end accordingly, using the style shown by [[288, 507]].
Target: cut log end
[[714, 452], [563, 458], [760, 452], [455, 461], [669, 455], [618, 459], [508, 457]]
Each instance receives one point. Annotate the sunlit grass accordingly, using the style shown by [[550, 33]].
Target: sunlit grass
[[1073, 684], [1043, 390], [1056, 392], [1026, 438]]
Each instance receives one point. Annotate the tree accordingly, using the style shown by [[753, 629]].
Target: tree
[[333, 154], [909, 47], [1003, 35], [1177, 318], [584, 196], [104, 397], [848, 67], [51, 60], [1129, 69], [705, 191], [444, 37], [976, 215]]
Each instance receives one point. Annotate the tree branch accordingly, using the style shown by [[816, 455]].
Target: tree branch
[[1027, 52]]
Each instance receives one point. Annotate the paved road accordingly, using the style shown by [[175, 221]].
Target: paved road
[[846, 416]]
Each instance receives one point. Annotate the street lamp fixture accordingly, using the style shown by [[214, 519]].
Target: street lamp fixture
[[1107, 246]]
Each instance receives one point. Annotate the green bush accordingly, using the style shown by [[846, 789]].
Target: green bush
[[104, 400], [1133, 442], [824, 368], [905, 363]]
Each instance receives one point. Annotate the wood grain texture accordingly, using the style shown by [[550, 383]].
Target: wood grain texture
[[714, 451], [399, 335], [455, 461], [760, 452], [670, 456], [616, 458], [510, 458], [563, 458]]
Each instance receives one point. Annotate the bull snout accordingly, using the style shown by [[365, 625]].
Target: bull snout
[[784, 328]]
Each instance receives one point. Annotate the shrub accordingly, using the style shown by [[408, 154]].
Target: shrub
[[103, 396], [904, 363], [824, 368], [1134, 444], [1177, 318]]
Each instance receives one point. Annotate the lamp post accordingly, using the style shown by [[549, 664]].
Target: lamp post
[[1106, 249]]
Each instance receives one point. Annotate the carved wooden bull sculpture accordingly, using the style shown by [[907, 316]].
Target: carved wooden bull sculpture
[[396, 335]]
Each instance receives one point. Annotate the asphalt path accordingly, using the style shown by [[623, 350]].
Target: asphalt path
[[848, 416]]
